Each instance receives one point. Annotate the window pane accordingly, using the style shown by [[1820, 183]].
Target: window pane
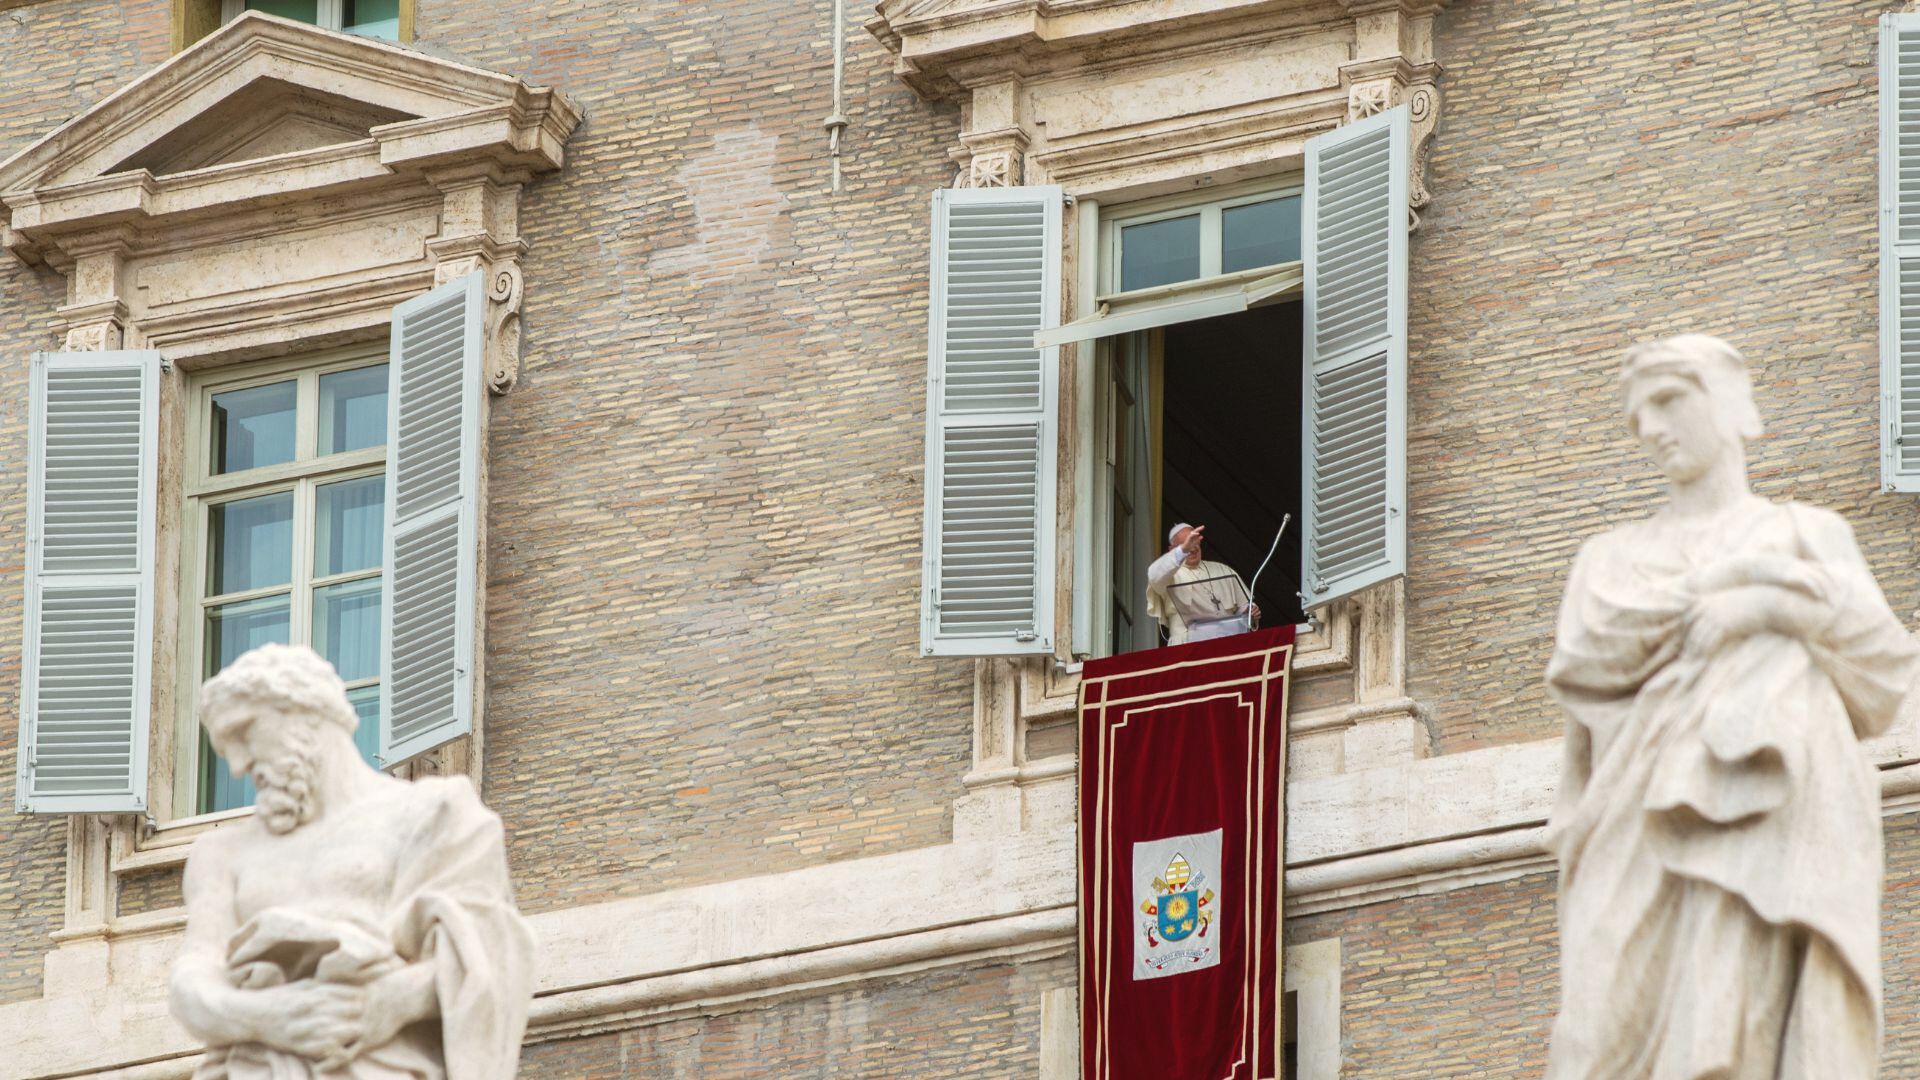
[[253, 427], [348, 525], [232, 629], [366, 705], [1260, 234], [307, 11], [250, 543], [372, 18], [247, 624], [1160, 252], [346, 627], [219, 788], [353, 409]]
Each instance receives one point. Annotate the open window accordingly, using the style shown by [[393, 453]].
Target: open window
[[1202, 421], [1250, 359]]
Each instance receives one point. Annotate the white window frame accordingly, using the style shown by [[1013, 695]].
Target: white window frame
[[328, 14], [1209, 204], [1094, 581], [201, 489]]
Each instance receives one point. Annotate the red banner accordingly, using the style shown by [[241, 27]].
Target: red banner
[[1182, 761]]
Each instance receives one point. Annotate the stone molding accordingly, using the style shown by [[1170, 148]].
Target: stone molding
[[1117, 98], [313, 244], [1011, 898], [607, 966]]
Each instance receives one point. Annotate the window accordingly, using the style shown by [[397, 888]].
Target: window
[[1226, 236], [1201, 417], [370, 18], [1204, 428], [390, 20], [286, 508]]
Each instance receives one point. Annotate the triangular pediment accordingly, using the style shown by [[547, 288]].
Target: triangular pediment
[[265, 118], [258, 87]]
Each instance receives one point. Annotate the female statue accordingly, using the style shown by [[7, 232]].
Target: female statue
[[1718, 826]]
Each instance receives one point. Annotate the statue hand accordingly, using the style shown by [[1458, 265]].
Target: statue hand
[[318, 1021], [393, 1002], [1719, 618], [1743, 611]]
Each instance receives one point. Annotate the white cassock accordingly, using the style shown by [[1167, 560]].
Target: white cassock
[[1196, 603]]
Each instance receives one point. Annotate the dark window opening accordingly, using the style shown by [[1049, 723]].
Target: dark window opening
[[1203, 427], [1290, 1035], [1231, 458]]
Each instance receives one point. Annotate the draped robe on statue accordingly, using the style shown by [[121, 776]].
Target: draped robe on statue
[[450, 906], [1718, 827]]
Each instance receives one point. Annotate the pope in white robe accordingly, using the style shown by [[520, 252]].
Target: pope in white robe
[[1193, 598]]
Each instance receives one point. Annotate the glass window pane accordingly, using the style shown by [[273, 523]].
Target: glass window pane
[[232, 629], [346, 627], [307, 11], [1260, 234], [372, 18], [349, 519], [250, 543], [353, 409], [366, 705], [253, 427], [219, 788], [246, 624], [1159, 252]]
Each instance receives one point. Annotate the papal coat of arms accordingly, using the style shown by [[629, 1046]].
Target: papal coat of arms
[[1175, 886]]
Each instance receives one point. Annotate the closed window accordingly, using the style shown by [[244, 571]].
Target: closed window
[[287, 504]]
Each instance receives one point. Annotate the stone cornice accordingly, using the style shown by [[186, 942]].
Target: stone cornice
[[279, 186], [67, 184], [1124, 99], [943, 47]]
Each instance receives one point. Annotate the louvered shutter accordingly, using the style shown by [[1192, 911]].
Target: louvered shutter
[[1354, 491], [432, 545], [87, 670], [987, 560], [1900, 251]]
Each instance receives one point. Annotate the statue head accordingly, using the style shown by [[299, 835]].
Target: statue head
[[1689, 402], [270, 714]]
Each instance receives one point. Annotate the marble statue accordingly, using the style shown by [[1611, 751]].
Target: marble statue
[[1718, 825], [356, 927]]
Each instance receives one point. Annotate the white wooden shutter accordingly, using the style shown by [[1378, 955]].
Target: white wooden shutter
[[433, 494], [87, 670], [992, 398], [1900, 251], [1354, 492]]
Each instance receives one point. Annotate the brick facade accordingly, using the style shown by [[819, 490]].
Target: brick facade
[[706, 489], [1605, 174]]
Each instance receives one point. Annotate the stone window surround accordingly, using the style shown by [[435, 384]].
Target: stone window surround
[[255, 258], [1120, 103]]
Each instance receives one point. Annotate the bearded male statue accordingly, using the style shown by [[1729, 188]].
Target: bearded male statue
[[357, 927], [1718, 827]]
